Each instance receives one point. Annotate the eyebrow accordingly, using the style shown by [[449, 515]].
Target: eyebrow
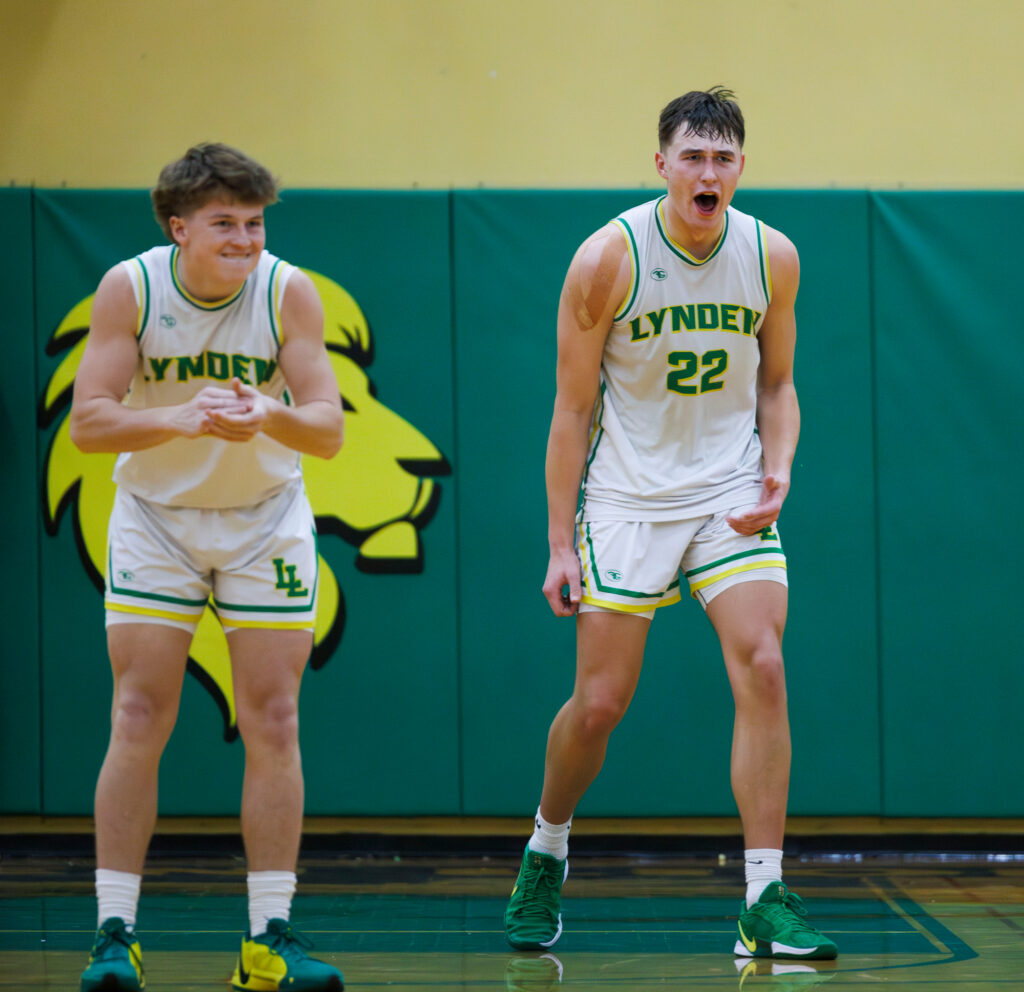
[[714, 151]]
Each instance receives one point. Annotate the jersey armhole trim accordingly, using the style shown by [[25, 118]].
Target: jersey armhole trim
[[139, 277], [276, 284], [762, 251], [634, 265]]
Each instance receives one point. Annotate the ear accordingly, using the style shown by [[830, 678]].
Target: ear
[[178, 232], [659, 164], [743, 162]]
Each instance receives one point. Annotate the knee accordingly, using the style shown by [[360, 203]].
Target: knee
[[763, 675], [598, 714], [271, 723], [142, 720]]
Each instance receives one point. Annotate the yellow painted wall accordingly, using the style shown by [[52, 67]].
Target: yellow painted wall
[[562, 93]]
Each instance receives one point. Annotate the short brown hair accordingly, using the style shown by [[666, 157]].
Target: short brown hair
[[712, 113], [206, 172]]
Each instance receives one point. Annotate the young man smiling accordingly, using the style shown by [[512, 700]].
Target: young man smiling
[[676, 416], [205, 368]]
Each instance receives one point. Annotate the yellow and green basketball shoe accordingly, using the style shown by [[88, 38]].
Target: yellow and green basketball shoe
[[115, 961], [277, 960], [776, 927], [533, 917]]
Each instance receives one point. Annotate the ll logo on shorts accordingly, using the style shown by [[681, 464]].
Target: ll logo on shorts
[[286, 579]]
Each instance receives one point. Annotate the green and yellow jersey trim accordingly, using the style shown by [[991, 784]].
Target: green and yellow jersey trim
[[762, 254], [209, 305], [275, 294], [634, 265], [679, 250], [140, 277]]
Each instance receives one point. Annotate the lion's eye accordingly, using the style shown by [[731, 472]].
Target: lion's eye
[[345, 405]]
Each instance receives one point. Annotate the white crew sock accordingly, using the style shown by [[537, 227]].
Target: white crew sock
[[117, 894], [270, 898], [761, 866], [550, 838]]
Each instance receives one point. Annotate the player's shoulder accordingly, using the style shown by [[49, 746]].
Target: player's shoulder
[[301, 304], [299, 282], [778, 243], [617, 234], [602, 251], [601, 268], [116, 283], [122, 278], [783, 258]]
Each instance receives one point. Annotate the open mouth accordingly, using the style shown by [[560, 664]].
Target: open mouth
[[706, 202]]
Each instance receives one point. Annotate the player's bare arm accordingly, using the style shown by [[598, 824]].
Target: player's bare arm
[[99, 421], [314, 424], [778, 412], [595, 286]]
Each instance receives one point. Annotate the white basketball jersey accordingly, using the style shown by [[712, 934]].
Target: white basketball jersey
[[674, 425], [186, 344]]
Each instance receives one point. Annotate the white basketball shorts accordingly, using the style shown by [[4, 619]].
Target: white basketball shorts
[[256, 565], [634, 566]]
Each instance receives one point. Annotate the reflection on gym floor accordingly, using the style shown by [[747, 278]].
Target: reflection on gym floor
[[408, 924]]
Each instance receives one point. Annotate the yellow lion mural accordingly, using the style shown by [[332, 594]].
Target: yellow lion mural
[[377, 494]]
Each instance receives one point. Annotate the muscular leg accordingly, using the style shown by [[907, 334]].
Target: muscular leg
[[609, 654], [148, 662], [749, 619], [267, 668]]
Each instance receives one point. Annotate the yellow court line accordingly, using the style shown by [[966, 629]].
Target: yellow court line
[[906, 917]]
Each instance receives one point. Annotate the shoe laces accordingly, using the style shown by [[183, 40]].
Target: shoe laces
[[791, 909], [540, 878], [118, 934], [287, 940]]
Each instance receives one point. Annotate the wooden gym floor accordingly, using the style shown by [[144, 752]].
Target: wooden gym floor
[[648, 905]]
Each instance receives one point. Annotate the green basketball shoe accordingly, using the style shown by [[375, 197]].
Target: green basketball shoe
[[776, 927], [277, 960], [115, 961], [533, 917]]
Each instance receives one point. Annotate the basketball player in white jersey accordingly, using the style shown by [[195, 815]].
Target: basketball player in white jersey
[[205, 368], [676, 413]]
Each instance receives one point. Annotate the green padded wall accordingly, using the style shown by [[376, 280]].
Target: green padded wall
[[949, 421], [19, 578], [434, 690]]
